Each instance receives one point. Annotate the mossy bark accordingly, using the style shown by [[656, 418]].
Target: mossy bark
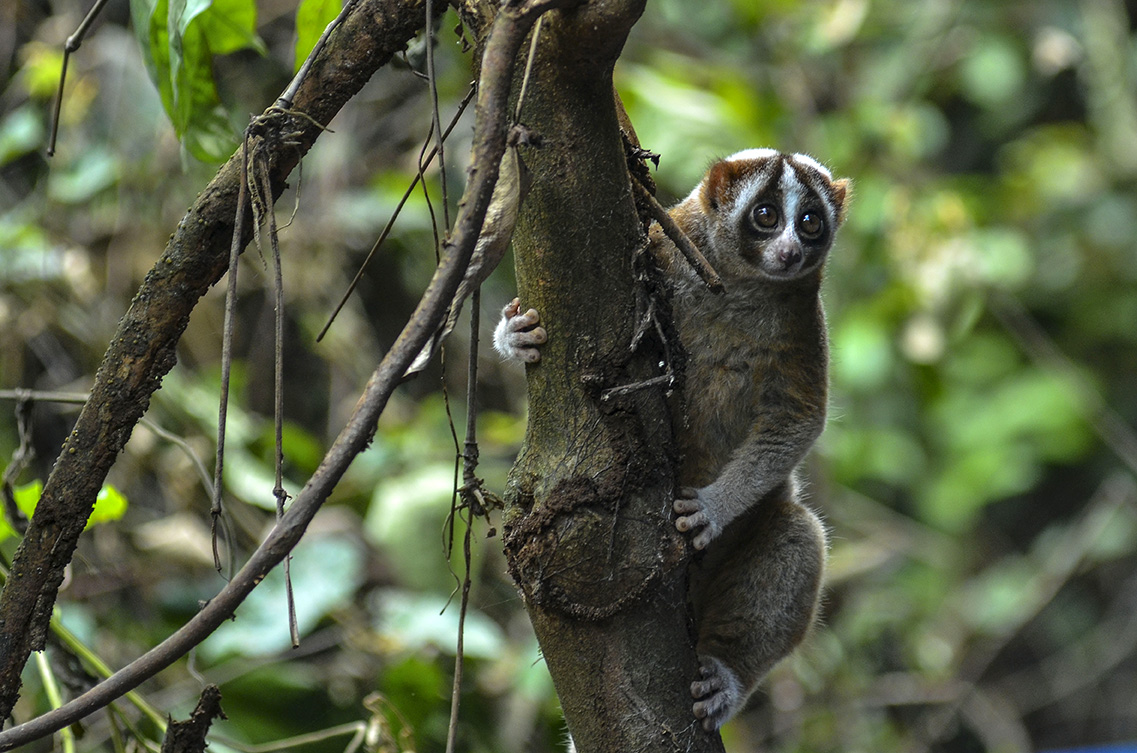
[[588, 531]]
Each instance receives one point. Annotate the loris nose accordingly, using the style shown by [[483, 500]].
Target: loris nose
[[789, 255]]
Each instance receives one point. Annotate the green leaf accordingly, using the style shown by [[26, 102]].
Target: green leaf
[[27, 496], [179, 41], [424, 622], [325, 574], [110, 505], [21, 132], [312, 17], [228, 25]]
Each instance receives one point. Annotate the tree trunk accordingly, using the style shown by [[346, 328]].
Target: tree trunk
[[588, 532]]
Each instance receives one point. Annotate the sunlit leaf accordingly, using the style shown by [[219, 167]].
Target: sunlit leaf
[[96, 170], [21, 131], [27, 496], [110, 505], [413, 622], [312, 17], [40, 71]]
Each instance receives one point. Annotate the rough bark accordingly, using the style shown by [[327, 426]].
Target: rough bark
[[142, 350], [588, 531]]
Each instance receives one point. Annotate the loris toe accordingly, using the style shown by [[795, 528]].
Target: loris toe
[[718, 693]]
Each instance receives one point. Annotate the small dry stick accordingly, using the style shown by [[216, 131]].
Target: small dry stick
[[436, 122], [394, 216], [215, 511], [692, 254], [284, 101], [470, 458], [264, 189], [72, 44]]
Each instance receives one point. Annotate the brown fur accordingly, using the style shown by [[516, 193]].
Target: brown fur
[[755, 393]]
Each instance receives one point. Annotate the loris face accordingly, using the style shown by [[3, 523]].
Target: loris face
[[778, 212]]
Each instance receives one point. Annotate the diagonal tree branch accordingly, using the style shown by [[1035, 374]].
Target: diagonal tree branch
[[142, 350], [491, 123]]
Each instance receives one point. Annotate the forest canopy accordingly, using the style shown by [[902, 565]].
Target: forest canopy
[[976, 474]]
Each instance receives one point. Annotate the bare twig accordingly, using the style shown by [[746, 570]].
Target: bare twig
[[627, 389], [436, 122], [235, 247], [690, 252], [263, 186], [285, 100], [21, 456], [78, 398], [73, 43], [394, 216]]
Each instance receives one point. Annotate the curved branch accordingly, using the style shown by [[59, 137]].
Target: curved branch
[[505, 40], [142, 351]]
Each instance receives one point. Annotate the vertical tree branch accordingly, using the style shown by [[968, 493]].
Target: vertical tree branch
[[587, 529]]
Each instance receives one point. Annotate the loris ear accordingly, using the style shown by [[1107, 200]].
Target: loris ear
[[842, 192], [719, 185]]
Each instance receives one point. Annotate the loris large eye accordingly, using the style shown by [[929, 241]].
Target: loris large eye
[[764, 216], [811, 225]]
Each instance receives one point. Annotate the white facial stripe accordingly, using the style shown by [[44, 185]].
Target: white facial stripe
[[754, 154], [792, 193], [813, 178], [808, 161]]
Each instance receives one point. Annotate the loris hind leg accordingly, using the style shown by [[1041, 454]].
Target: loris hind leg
[[755, 603]]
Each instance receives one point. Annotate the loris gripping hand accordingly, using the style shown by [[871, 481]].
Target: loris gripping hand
[[696, 516], [517, 335]]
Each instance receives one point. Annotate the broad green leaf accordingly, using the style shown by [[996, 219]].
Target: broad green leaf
[[312, 17], [416, 622], [149, 21], [27, 496], [179, 41], [96, 170], [21, 132], [229, 25]]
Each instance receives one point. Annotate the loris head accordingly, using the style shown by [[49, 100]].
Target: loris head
[[770, 214]]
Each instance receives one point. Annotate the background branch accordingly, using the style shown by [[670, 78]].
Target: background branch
[[142, 350]]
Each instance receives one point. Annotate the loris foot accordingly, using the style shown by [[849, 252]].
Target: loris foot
[[517, 335], [718, 694]]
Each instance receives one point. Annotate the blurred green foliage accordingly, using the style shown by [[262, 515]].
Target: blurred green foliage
[[977, 472]]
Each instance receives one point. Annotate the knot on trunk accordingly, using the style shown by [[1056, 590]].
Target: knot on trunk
[[580, 553]]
